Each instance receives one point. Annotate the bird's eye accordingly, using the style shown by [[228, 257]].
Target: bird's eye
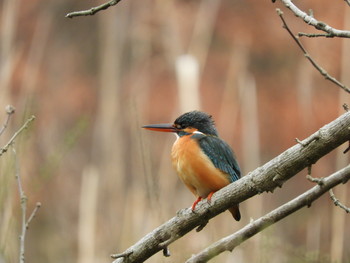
[[178, 126]]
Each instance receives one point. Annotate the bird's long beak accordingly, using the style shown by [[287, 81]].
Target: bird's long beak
[[162, 127]]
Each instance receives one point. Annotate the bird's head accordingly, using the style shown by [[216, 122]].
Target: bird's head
[[188, 123]]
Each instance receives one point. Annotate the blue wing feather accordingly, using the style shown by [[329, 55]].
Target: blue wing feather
[[221, 155]]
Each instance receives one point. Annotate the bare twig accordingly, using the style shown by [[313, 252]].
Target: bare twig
[[337, 202], [310, 20], [307, 55], [25, 223], [302, 34], [25, 126], [33, 214], [305, 199], [264, 178], [10, 110], [93, 10], [348, 2], [23, 199]]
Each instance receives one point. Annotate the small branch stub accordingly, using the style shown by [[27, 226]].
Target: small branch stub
[[122, 255], [319, 181]]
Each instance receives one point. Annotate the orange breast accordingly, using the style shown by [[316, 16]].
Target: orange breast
[[195, 168]]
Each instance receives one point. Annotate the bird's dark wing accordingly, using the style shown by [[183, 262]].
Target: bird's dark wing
[[221, 154]]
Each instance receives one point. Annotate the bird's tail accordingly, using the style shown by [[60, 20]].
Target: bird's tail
[[235, 212]]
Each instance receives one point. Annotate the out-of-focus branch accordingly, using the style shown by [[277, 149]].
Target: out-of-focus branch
[[310, 20], [230, 242], [25, 126], [93, 10], [23, 199], [263, 179], [24, 222], [307, 55], [10, 110]]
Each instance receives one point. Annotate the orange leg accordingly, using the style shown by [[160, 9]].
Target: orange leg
[[209, 197], [196, 202]]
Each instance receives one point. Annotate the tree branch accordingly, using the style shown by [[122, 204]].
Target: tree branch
[[25, 126], [305, 199], [93, 10], [263, 179], [310, 20], [307, 55]]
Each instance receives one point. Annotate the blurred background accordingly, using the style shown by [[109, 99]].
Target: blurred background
[[92, 82]]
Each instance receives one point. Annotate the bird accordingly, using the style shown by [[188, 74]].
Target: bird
[[204, 162]]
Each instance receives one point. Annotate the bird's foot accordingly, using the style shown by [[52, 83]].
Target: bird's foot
[[209, 197], [196, 202]]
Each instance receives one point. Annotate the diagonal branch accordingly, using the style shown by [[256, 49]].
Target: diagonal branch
[[307, 55], [230, 242], [8, 144], [93, 10], [310, 20], [263, 179]]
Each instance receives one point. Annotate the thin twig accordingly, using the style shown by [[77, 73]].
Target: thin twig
[[310, 20], [25, 223], [10, 110], [302, 34], [348, 2], [25, 126], [23, 199], [307, 55], [337, 202], [93, 10], [33, 214]]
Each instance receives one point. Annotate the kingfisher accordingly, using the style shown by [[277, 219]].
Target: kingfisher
[[203, 161]]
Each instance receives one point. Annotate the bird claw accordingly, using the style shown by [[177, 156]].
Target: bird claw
[[200, 198], [209, 197], [196, 202]]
